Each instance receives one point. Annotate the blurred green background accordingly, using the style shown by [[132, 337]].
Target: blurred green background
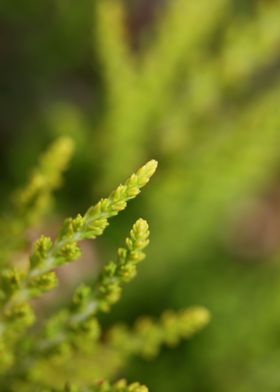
[[195, 85]]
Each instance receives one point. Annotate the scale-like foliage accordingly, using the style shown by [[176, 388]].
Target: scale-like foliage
[[74, 331]]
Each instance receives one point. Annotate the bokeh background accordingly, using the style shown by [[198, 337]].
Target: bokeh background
[[195, 85]]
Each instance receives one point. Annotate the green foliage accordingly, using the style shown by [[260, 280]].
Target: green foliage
[[197, 86], [119, 386], [29, 356], [32, 202], [147, 336]]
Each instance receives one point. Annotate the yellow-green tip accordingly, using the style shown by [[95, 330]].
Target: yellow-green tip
[[194, 319], [151, 166]]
